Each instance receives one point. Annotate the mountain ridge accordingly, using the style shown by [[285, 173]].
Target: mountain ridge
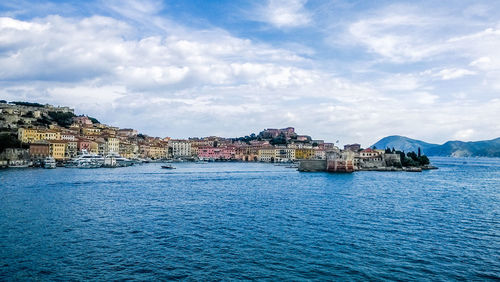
[[455, 148]]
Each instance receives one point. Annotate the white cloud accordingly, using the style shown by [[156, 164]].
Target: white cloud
[[284, 13], [453, 73], [397, 34], [180, 81]]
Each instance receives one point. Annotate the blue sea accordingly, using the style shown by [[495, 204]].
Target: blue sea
[[234, 221]]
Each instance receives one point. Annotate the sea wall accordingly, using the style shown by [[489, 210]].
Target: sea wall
[[312, 165]]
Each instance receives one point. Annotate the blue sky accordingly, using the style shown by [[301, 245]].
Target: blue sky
[[353, 71]]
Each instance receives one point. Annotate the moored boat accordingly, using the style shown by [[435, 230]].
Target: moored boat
[[49, 162]]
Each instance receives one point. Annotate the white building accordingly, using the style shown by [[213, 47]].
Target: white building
[[180, 148]]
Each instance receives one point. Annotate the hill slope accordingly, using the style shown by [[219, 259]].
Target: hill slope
[[486, 148], [403, 143]]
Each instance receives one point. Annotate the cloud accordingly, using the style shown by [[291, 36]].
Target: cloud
[[453, 73], [284, 13], [140, 68]]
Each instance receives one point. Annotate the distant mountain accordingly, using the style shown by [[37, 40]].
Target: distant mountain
[[403, 143], [487, 148]]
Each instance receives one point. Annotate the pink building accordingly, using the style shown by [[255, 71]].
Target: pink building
[[219, 153], [83, 144]]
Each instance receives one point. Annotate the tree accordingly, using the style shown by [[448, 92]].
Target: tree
[[94, 120], [413, 156], [28, 104], [419, 152], [387, 151], [62, 119], [315, 144], [423, 160], [8, 141]]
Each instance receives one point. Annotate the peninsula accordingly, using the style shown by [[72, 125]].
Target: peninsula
[[32, 132]]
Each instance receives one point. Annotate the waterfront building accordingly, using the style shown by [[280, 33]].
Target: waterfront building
[[340, 161], [15, 156], [366, 153], [39, 150], [112, 145], [217, 153], [71, 149], [157, 152], [57, 149], [267, 154], [101, 146], [319, 154], [304, 153], [284, 154], [94, 147], [369, 158], [180, 148], [129, 150], [83, 144]]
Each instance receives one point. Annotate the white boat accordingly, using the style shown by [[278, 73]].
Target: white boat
[[18, 165], [86, 160], [115, 160], [49, 162]]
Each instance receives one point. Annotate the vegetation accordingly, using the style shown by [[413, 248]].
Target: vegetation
[[28, 115], [410, 158], [8, 141], [94, 120], [279, 140], [62, 119], [28, 104], [3, 102], [43, 121], [246, 139]]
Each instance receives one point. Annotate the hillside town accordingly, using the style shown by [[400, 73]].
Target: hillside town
[[33, 132]]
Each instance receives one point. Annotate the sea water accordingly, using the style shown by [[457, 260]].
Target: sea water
[[251, 221]]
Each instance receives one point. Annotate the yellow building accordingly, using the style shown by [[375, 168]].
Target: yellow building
[[49, 135], [285, 154], [91, 131], [267, 154], [304, 154], [28, 135], [57, 149], [94, 147], [157, 152], [112, 145]]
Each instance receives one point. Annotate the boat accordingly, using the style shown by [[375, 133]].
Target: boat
[[115, 160], [86, 160], [167, 167], [23, 165], [49, 162]]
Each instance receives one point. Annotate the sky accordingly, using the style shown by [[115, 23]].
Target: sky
[[353, 71]]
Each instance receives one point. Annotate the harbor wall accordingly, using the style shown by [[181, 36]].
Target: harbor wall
[[312, 165]]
